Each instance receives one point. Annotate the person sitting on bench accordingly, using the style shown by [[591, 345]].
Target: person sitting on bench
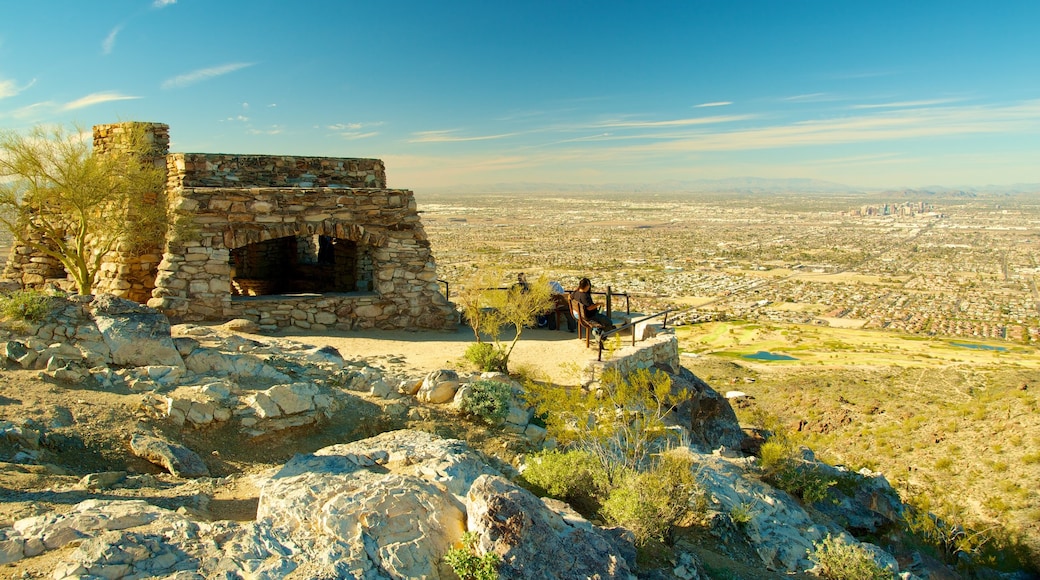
[[583, 296]]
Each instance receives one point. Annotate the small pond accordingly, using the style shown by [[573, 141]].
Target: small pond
[[763, 355], [979, 346]]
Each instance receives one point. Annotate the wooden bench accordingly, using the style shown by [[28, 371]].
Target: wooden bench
[[585, 325]]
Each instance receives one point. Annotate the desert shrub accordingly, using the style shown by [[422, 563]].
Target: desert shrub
[[649, 503], [840, 561], [488, 400], [465, 562], [622, 423], [946, 527], [773, 454], [25, 305], [784, 469], [741, 513], [487, 357], [806, 481], [575, 476]]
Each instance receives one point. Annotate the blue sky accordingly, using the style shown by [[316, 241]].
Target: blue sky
[[873, 94]]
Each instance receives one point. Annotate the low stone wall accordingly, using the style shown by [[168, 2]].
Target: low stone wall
[[662, 349], [352, 311], [216, 170]]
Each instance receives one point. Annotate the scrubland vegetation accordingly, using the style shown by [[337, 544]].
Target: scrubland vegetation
[[910, 338]]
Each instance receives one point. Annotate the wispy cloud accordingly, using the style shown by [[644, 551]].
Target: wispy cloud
[[812, 98], [204, 74], [713, 104], [274, 130], [674, 122], [353, 131], [448, 137], [32, 110], [110, 41], [8, 88], [901, 124], [163, 3], [351, 136], [906, 104], [95, 99], [870, 159]]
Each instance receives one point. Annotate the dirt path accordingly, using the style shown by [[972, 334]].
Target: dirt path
[[554, 353]]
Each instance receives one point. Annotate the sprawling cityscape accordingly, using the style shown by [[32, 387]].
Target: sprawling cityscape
[[954, 264]]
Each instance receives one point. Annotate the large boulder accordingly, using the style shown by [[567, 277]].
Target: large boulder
[[707, 414], [136, 335], [438, 387], [386, 503], [536, 542]]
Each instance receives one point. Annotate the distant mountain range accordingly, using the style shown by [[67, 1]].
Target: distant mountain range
[[735, 185]]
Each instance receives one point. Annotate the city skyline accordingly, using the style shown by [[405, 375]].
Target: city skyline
[[874, 95]]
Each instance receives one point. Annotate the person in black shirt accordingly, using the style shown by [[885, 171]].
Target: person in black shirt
[[583, 296]]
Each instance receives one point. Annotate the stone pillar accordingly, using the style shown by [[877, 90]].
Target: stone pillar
[[125, 273]]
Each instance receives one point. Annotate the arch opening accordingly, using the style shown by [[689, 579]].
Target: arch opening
[[311, 264]]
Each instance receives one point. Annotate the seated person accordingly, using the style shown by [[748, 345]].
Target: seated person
[[560, 297], [521, 284], [583, 296]]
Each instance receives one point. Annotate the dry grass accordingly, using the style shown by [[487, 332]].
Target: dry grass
[[951, 427]]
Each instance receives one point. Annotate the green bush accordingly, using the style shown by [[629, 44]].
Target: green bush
[[465, 562], [651, 502], [807, 481], [25, 305], [785, 470], [487, 357], [840, 561], [741, 513], [488, 400], [575, 477]]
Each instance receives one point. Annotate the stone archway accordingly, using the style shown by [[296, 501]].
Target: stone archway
[[332, 257]]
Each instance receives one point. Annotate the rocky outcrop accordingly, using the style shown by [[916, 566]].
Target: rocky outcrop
[[534, 542], [707, 415], [136, 335], [386, 507], [773, 523]]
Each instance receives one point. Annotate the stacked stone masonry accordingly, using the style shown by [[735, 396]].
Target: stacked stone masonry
[[206, 170], [342, 251], [131, 274]]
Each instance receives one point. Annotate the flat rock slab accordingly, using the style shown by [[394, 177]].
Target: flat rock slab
[[176, 459]]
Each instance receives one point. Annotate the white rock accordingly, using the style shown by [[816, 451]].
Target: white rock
[[293, 398]]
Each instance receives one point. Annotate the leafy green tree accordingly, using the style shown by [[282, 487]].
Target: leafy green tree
[[491, 309], [59, 199]]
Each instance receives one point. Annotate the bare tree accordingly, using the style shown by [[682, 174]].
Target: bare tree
[[59, 199]]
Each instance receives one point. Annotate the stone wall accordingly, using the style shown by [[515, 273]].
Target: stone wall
[[194, 279], [662, 349], [32, 269], [124, 273], [190, 170]]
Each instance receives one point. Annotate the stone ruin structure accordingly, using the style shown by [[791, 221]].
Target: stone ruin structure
[[285, 241]]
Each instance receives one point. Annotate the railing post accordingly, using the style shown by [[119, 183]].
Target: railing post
[[608, 302]]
